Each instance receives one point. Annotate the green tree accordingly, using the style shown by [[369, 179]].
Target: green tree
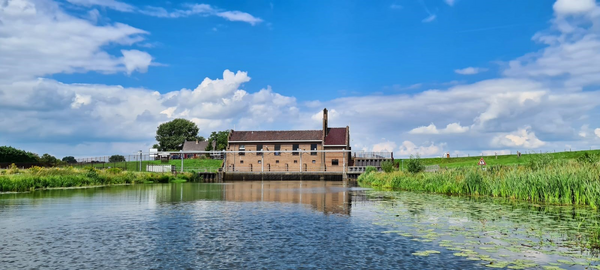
[[116, 158], [69, 160], [221, 139], [11, 154], [171, 135], [387, 166], [415, 164], [49, 160]]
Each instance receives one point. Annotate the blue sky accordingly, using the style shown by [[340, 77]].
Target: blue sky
[[322, 49], [92, 77]]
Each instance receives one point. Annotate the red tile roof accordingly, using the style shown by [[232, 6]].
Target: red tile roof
[[283, 135], [336, 136]]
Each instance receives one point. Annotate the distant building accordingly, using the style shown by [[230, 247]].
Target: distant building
[[194, 146], [304, 141]]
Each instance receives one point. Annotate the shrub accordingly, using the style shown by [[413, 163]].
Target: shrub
[[587, 158], [415, 164], [12, 169], [387, 166], [370, 169], [114, 170]]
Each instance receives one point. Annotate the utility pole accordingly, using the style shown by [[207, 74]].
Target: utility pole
[[140, 160]]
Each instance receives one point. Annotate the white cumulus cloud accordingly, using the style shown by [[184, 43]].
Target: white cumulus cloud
[[570, 7], [523, 137], [470, 71], [453, 128], [597, 132], [135, 60]]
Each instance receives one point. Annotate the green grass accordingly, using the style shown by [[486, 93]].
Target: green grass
[[454, 162], [551, 181], [198, 165], [15, 180]]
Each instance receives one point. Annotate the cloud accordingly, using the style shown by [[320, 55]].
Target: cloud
[[470, 70], [520, 138], [238, 16], [188, 10], [201, 9], [112, 4], [409, 148], [136, 60], [387, 146], [429, 18], [453, 128], [597, 132], [450, 2], [572, 7], [41, 39]]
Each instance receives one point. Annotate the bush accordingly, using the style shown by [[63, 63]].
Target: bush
[[114, 170], [370, 169], [587, 158], [387, 166], [415, 164]]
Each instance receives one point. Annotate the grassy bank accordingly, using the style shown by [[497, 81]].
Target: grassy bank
[[200, 165], [15, 180], [554, 182], [455, 162]]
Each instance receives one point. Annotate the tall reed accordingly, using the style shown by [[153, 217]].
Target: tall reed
[[556, 182]]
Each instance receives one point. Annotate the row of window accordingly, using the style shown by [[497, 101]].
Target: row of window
[[259, 147], [334, 162]]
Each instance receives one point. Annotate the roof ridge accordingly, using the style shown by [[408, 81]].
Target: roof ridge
[[294, 130]]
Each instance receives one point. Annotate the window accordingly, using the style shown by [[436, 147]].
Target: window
[[241, 162], [313, 147], [242, 149], [260, 161], [295, 149], [259, 147], [335, 162], [278, 148], [295, 161], [276, 161], [314, 161]]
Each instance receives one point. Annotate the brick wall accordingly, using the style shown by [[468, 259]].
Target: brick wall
[[271, 161]]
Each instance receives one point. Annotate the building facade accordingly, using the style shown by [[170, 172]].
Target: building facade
[[289, 150]]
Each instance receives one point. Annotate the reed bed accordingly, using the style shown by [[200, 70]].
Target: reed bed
[[555, 182], [15, 180]]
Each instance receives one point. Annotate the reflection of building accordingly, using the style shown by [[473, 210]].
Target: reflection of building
[[326, 197], [301, 147]]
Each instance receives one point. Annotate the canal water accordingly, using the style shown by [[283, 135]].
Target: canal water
[[286, 225]]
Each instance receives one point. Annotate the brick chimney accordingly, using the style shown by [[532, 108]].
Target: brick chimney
[[325, 127]]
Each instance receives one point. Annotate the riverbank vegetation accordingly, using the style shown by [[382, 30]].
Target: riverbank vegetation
[[18, 180], [542, 179]]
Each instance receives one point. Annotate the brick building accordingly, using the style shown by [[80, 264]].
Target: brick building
[[300, 144]]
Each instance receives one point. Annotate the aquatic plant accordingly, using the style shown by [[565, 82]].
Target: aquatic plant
[[554, 182]]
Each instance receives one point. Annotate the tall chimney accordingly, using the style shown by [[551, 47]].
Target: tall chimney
[[325, 128]]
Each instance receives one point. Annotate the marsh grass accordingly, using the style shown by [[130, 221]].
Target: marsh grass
[[44, 178], [542, 181]]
